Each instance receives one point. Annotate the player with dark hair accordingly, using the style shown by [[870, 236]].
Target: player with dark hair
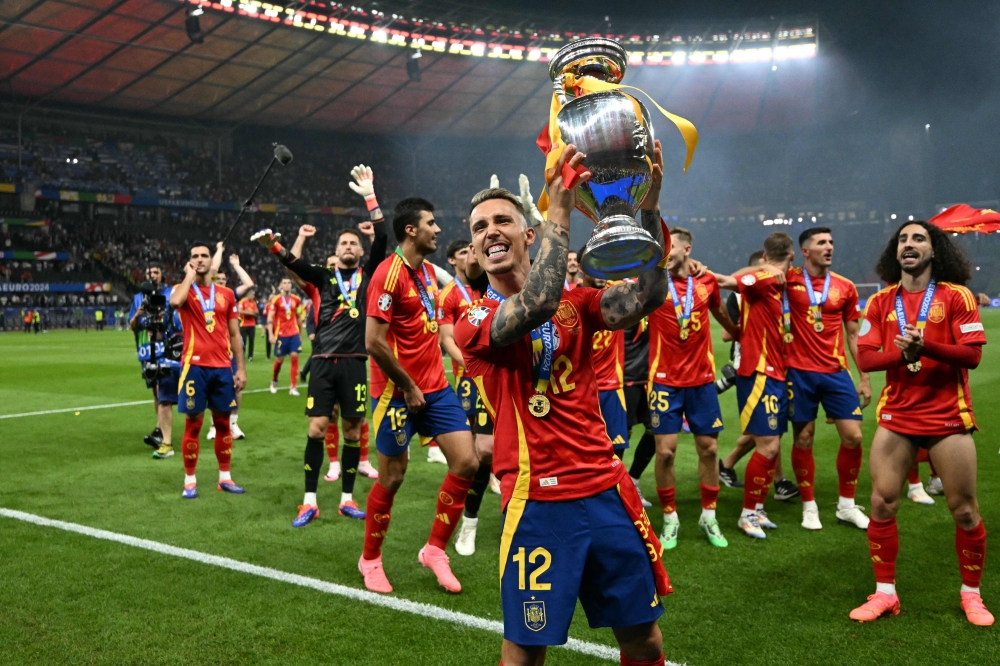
[[211, 336], [825, 320], [572, 270], [338, 377], [682, 385], [453, 302], [761, 394], [573, 526], [410, 394], [284, 331], [924, 331], [248, 311]]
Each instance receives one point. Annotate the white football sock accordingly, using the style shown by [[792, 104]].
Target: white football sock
[[670, 516], [886, 588], [189, 480], [748, 512], [233, 418], [708, 514], [915, 486], [966, 588], [344, 497], [810, 504], [760, 505], [472, 522], [224, 476], [310, 499], [844, 503]]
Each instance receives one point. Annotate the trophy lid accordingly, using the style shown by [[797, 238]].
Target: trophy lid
[[613, 55]]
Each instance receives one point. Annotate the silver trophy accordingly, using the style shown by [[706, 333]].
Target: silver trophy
[[614, 131]]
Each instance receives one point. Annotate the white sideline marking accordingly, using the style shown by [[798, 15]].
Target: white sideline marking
[[110, 406], [393, 603]]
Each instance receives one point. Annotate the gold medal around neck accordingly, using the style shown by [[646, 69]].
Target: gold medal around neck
[[685, 333], [788, 338], [432, 327], [354, 313], [818, 327], [914, 367], [539, 405]]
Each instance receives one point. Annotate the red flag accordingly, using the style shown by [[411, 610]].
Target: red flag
[[964, 219]]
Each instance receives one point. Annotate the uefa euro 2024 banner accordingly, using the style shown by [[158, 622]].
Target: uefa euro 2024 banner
[[49, 287]]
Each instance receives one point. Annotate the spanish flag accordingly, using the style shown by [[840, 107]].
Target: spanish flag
[[964, 219]]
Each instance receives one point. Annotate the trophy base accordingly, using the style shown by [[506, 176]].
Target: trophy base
[[619, 249]]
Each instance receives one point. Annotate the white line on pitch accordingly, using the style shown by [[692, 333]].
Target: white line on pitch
[[393, 603], [110, 406]]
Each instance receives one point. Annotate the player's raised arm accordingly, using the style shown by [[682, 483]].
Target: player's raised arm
[[179, 294], [246, 282], [626, 303], [303, 269], [376, 234], [538, 300]]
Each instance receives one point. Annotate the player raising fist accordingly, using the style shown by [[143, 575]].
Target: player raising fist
[[924, 331]]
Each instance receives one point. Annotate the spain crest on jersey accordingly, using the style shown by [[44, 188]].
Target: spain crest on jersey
[[936, 314], [534, 615]]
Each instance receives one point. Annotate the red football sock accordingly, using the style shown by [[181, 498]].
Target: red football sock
[[848, 468], [971, 548], [378, 510], [451, 502], [276, 369], [189, 443], [914, 476], [759, 474], [625, 661], [922, 455], [805, 472], [365, 436], [295, 370], [883, 544], [331, 439], [667, 498], [223, 440], [709, 496]]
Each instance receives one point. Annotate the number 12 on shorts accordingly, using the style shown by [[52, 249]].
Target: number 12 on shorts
[[536, 554]]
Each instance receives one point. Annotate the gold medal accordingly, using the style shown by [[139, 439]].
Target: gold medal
[[539, 405], [818, 327], [788, 338], [684, 334], [914, 367], [354, 313], [432, 327]]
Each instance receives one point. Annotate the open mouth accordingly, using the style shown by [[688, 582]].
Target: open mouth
[[909, 254], [497, 250]]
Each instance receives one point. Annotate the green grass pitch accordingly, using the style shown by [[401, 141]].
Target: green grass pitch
[[69, 598]]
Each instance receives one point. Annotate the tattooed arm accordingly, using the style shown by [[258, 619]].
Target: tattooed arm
[[539, 297], [626, 303]]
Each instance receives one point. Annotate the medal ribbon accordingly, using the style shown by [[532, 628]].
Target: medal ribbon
[[786, 311], [816, 307], [465, 292], [349, 292], [925, 307], [425, 298], [683, 315], [205, 307], [287, 304], [542, 340]]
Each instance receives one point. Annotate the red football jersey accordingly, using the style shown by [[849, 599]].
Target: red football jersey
[[821, 351], [207, 344], [684, 363], [936, 400], [249, 305], [286, 315], [452, 306], [762, 342], [609, 359], [413, 336], [566, 454]]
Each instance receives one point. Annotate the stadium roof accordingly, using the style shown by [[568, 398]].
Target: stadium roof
[[272, 65]]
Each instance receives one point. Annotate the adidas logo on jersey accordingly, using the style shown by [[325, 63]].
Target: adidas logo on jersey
[[717, 424], [618, 441], [413, 293]]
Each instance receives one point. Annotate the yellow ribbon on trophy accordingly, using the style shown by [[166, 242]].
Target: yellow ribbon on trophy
[[589, 85]]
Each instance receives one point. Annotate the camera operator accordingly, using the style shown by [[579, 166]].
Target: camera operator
[[136, 322]]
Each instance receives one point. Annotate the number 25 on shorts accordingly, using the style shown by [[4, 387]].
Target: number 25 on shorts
[[536, 554]]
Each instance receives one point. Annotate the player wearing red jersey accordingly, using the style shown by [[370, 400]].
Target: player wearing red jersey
[[761, 394], [572, 271], [924, 331], [245, 287], [824, 306], [283, 330], [410, 394], [609, 365], [453, 302], [570, 507], [211, 334], [682, 384]]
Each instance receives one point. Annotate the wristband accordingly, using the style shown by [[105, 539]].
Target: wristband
[[276, 248], [371, 202]]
